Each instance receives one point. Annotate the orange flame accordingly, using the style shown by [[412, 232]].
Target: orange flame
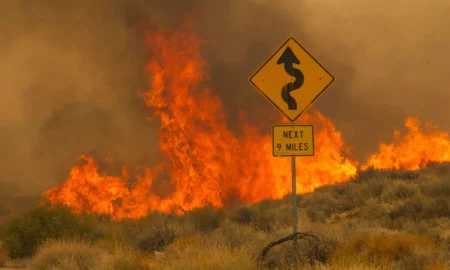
[[413, 151], [208, 163]]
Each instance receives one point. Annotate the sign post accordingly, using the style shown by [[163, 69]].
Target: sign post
[[294, 199], [292, 80]]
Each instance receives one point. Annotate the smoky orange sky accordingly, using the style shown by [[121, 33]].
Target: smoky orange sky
[[71, 71]]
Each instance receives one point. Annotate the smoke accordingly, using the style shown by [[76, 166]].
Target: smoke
[[390, 59], [71, 72]]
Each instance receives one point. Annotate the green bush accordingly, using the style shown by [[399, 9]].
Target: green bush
[[23, 233]]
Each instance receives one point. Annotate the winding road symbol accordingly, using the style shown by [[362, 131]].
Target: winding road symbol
[[292, 87], [288, 58]]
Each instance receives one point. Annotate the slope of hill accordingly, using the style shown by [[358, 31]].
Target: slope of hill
[[379, 220]]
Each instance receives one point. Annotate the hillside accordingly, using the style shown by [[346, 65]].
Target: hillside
[[379, 220]]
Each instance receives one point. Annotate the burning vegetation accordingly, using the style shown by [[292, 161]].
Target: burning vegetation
[[208, 163]]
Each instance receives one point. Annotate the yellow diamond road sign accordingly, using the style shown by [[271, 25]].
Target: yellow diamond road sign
[[293, 140], [291, 79]]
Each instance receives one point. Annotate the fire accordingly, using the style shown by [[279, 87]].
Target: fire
[[207, 162], [414, 150], [210, 164]]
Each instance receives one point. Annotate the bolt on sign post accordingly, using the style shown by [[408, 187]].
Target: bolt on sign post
[[292, 79]]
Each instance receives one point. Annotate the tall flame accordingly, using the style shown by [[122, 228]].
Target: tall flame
[[207, 162], [414, 150]]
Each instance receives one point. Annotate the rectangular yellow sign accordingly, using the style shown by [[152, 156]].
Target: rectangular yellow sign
[[293, 140]]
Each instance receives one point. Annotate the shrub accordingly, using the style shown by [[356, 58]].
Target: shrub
[[352, 199], [332, 200], [373, 188], [280, 216], [319, 206], [435, 265], [315, 215], [437, 208], [265, 222], [25, 232], [411, 209], [69, 255], [206, 219], [112, 234], [370, 174], [400, 190], [268, 204], [124, 259], [440, 188], [385, 250], [420, 261], [419, 208], [183, 246], [373, 210], [261, 218], [311, 249], [244, 215], [235, 235], [438, 168], [152, 239], [4, 214], [76, 254], [4, 258], [219, 258]]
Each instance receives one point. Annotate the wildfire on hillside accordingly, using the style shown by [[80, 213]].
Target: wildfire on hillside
[[413, 150], [207, 162]]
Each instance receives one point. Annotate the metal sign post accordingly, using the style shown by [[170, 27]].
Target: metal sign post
[[294, 200]]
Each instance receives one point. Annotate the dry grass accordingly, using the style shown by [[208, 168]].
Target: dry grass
[[389, 250], [214, 258], [69, 255], [4, 258], [76, 254]]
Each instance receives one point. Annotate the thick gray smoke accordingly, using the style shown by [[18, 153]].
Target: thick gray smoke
[[70, 72]]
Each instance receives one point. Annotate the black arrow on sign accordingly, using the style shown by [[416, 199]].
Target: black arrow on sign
[[288, 58]]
